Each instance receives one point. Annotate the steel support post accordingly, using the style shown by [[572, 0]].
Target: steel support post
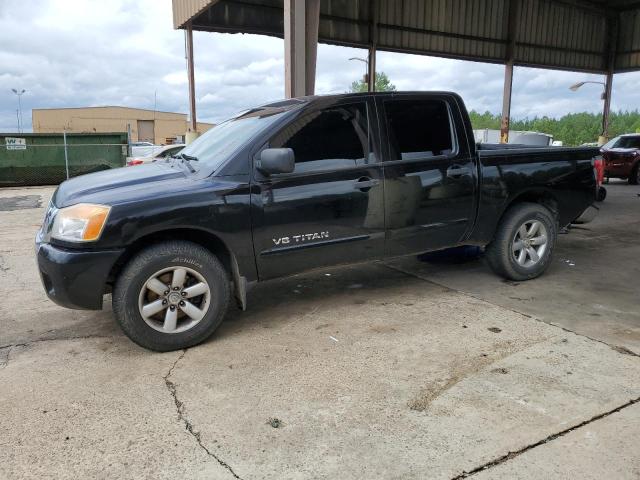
[[301, 22], [193, 123]]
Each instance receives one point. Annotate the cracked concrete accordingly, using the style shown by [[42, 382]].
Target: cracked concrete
[[5, 352], [597, 449], [512, 455], [338, 357], [345, 405], [76, 409], [409, 272], [182, 416]]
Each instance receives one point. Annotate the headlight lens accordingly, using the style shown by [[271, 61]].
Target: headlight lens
[[80, 223]]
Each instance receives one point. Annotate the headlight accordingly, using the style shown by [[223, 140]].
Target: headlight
[[80, 223]]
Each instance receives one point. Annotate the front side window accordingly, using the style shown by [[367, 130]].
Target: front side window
[[629, 142], [623, 142], [219, 143], [418, 129], [329, 139]]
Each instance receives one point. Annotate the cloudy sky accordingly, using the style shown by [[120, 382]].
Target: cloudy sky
[[123, 52]]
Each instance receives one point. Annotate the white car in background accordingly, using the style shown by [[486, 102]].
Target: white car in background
[[143, 149], [160, 153]]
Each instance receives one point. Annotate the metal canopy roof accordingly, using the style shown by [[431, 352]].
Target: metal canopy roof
[[591, 36]]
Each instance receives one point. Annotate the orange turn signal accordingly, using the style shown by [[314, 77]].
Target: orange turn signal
[[93, 216]]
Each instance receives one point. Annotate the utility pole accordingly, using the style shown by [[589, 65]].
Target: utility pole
[[367, 75], [19, 94], [192, 132]]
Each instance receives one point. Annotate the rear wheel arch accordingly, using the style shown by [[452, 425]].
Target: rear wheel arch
[[540, 196]]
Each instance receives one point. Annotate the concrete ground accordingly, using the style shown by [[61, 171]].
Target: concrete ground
[[409, 369]]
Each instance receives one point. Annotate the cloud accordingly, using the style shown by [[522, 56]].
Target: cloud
[[120, 52]]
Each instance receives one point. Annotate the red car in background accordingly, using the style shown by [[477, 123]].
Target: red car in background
[[622, 158]]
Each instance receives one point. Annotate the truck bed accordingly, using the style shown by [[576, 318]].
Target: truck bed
[[492, 149]]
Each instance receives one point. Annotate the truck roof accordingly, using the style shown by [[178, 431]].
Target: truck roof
[[298, 101]]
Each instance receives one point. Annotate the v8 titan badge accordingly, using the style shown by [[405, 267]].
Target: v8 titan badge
[[305, 237]]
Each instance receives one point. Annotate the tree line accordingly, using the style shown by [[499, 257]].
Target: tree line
[[572, 129]]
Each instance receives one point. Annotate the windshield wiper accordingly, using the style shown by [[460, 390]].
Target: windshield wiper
[[186, 159]]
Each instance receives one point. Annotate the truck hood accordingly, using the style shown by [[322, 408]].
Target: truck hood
[[119, 185]]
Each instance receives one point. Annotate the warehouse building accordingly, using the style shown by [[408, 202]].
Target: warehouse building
[[152, 126]]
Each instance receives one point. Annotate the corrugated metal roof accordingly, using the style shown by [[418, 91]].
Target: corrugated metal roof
[[564, 34], [628, 57], [184, 10]]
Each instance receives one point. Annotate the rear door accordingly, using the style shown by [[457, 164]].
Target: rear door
[[430, 173], [330, 209]]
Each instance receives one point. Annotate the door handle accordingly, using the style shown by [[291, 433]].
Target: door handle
[[457, 171], [365, 183]]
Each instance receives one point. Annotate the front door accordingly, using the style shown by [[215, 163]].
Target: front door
[[430, 177], [330, 209]]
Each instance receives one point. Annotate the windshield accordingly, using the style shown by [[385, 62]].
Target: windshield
[[216, 146], [623, 142]]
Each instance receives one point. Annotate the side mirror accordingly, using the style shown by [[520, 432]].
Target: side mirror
[[277, 160]]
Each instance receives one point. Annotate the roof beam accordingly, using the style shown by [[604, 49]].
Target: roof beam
[[583, 5], [631, 6]]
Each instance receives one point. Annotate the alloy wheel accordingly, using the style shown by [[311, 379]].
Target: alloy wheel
[[530, 243], [174, 300]]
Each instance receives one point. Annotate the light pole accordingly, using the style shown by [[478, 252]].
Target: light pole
[[605, 111], [19, 94], [366, 75]]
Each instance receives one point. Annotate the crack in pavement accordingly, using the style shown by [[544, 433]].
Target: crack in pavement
[[53, 339], [187, 423], [5, 361], [511, 455], [615, 348]]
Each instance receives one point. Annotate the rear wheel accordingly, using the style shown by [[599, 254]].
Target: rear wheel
[[170, 296], [524, 242]]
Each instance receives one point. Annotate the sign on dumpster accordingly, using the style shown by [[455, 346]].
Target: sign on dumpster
[[16, 143]]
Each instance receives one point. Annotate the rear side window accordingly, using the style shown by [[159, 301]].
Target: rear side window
[[419, 129], [329, 139]]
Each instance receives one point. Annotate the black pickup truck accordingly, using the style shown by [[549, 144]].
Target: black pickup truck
[[296, 185]]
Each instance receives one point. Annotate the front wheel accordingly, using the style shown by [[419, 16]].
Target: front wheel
[[524, 242], [602, 194], [171, 295], [634, 178]]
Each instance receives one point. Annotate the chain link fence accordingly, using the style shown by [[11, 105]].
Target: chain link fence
[[48, 159]]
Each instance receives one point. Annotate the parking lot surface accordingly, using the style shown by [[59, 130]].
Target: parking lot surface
[[404, 369]]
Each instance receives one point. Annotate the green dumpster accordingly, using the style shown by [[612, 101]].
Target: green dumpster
[[39, 158]]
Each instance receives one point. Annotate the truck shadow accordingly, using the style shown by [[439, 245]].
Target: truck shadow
[[278, 302]]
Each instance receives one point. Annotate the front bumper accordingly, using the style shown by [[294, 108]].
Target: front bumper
[[588, 215], [617, 170], [75, 279]]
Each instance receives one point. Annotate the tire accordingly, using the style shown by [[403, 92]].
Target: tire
[[502, 254], [171, 328], [634, 178], [602, 194]]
